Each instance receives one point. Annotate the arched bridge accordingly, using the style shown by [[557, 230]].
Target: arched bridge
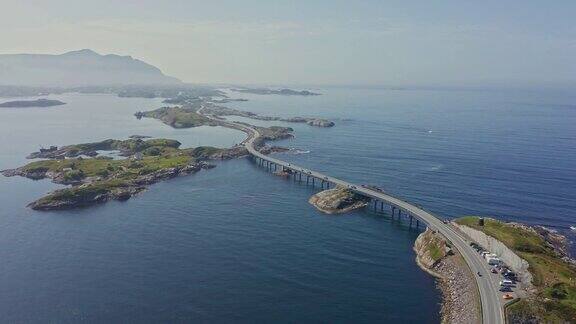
[[492, 310]]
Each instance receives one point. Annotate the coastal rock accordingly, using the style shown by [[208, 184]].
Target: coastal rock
[[232, 153], [82, 200], [338, 200], [273, 149], [460, 299], [90, 191], [35, 174], [320, 123]]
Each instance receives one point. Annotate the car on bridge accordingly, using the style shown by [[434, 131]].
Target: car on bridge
[[372, 187]]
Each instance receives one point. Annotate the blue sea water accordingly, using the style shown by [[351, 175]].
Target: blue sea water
[[234, 244]]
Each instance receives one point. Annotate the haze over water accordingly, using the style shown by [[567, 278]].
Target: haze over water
[[235, 244]]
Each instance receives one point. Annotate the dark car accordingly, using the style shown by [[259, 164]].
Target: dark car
[[505, 289]]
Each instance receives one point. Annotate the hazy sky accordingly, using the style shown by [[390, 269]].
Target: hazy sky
[[418, 42]]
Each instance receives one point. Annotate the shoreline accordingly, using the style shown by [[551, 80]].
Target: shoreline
[[454, 279]]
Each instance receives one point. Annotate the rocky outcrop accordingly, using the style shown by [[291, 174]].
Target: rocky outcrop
[[36, 174], [320, 123], [273, 149], [460, 300], [558, 242], [87, 198], [231, 153], [338, 200], [97, 191], [170, 173]]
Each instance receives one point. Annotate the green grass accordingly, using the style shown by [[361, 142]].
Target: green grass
[[122, 169], [554, 278], [178, 117], [435, 251], [83, 193], [129, 145]]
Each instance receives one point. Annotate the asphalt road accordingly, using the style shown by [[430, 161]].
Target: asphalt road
[[492, 311]]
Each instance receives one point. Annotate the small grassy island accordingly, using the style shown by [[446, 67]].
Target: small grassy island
[[97, 179], [282, 92], [553, 297], [31, 103], [177, 117]]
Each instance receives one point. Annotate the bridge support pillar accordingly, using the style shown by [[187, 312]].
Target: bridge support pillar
[[307, 179], [381, 206]]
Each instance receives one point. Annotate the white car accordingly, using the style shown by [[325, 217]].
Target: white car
[[506, 282]]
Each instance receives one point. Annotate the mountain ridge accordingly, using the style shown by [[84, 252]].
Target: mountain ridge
[[83, 67]]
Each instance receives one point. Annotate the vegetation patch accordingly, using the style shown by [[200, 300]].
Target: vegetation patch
[[176, 117]]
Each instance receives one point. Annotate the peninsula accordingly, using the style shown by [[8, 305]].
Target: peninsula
[[31, 103]]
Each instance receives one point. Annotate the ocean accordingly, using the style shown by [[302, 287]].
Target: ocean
[[236, 244]]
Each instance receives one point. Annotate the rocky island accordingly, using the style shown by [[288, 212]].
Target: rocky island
[[99, 178], [338, 200], [31, 103], [177, 117], [283, 92]]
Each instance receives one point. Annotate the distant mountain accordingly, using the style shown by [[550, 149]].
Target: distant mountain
[[77, 69]]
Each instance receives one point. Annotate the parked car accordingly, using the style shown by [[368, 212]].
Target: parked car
[[509, 274], [506, 289], [506, 282]]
